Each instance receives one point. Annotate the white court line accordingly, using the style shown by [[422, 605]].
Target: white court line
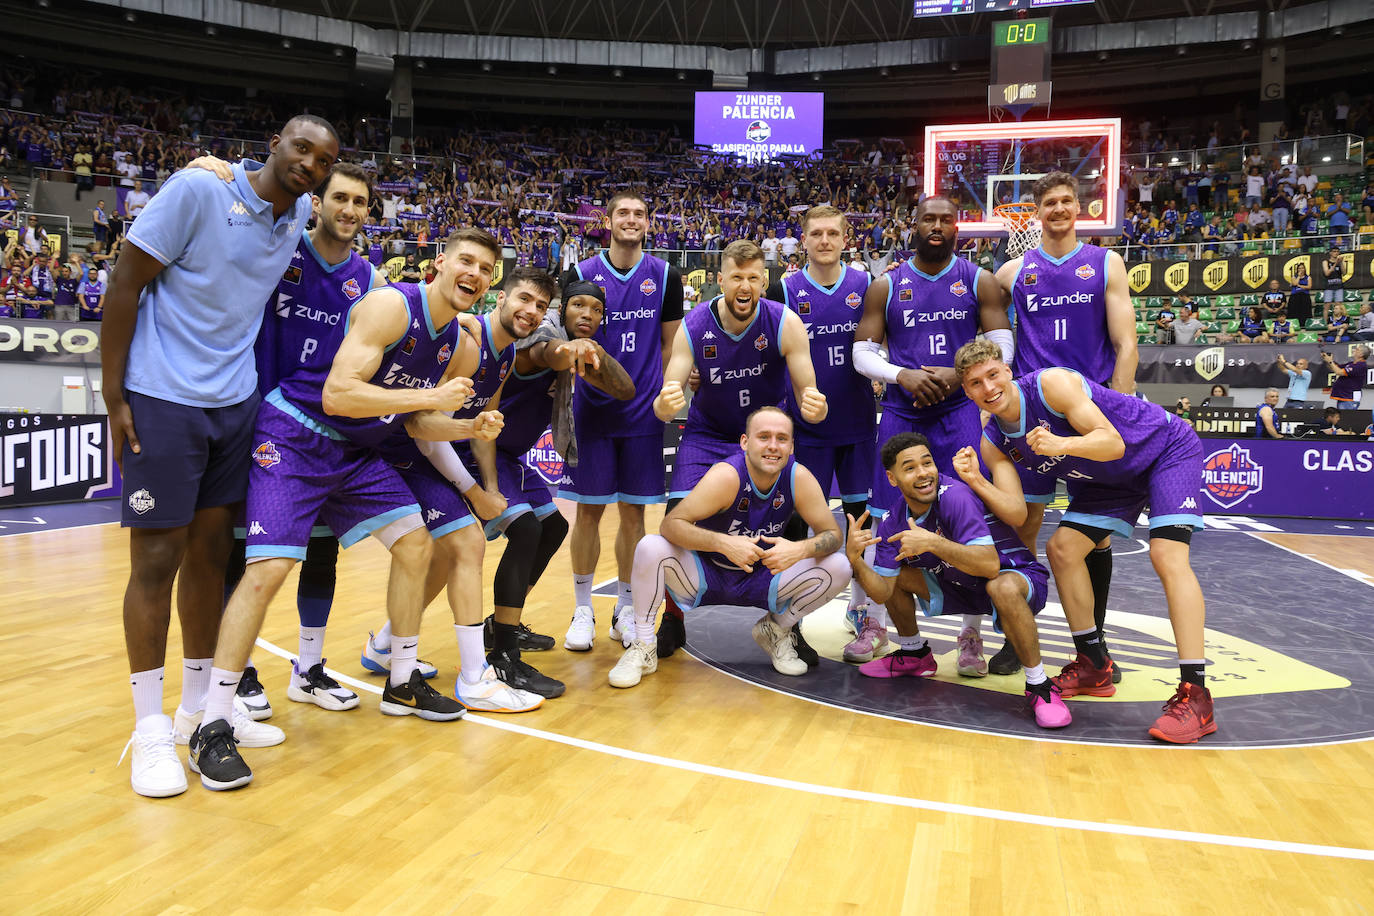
[[901, 801]]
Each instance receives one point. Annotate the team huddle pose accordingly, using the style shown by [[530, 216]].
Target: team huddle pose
[[389, 410]]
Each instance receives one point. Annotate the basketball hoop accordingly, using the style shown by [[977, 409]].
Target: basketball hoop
[[1023, 228]]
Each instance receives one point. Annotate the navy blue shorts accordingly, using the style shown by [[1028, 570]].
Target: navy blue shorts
[[193, 458]]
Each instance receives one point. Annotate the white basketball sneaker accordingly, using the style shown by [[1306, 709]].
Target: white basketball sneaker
[[491, 694], [155, 770], [640, 659], [582, 630]]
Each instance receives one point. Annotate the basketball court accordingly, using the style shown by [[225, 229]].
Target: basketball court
[[717, 785]]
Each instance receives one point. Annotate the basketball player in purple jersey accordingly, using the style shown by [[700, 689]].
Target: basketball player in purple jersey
[[428, 469], [944, 547], [538, 387], [927, 308], [828, 297], [745, 349], [620, 443], [302, 326], [317, 433], [1073, 309], [1124, 454], [722, 545]]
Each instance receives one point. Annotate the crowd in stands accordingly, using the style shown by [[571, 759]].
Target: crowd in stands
[[538, 190]]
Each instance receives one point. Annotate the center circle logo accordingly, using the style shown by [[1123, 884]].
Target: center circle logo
[[758, 131]]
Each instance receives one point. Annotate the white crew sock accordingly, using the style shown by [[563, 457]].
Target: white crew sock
[[219, 700], [624, 599], [404, 650], [195, 680], [472, 655], [857, 596], [382, 639], [311, 648], [582, 590], [909, 643], [147, 687], [974, 622], [1035, 675]]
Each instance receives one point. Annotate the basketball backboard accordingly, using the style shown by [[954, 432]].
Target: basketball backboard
[[981, 165]]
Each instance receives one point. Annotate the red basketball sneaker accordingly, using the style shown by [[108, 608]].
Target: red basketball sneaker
[[1080, 678], [1187, 716]]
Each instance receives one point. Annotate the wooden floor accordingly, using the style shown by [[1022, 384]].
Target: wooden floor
[[608, 801]]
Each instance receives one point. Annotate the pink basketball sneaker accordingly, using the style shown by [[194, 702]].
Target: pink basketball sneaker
[[900, 664]]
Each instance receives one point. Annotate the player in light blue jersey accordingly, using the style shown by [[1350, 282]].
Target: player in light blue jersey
[[181, 313], [1073, 309], [924, 311]]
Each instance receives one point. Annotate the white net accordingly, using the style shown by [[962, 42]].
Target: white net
[[1023, 228]]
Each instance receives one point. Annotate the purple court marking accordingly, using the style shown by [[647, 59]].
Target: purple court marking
[[56, 516]]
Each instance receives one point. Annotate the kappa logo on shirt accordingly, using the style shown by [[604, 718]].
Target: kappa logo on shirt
[[238, 209], [141, 501], [415, 324], [709, 335], [296, 255], [444, 353], [1085, 272], [257, 529], [906, 281], [266, 455], [648, 287], [803, 294], [351, 289], [958, 288], [853, 300], [433, 515], [761, 342], [598, 279]]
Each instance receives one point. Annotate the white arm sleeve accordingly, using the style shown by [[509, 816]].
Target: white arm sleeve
[[869, 362], [447, 462], [1002, 337]]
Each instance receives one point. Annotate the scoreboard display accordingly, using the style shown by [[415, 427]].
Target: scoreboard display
[[956, 7]]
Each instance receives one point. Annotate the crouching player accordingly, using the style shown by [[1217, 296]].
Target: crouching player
[[722, 545], [955, 557], [1123, 453]]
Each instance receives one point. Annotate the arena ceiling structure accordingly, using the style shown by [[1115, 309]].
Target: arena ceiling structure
[[643, 59]]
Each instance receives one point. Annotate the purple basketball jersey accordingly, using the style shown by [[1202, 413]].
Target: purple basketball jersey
[[1061, 313], [1142, 426], [632, 335], [417, 359], [929, 317], [527, 405], [739, 373], [753, 513], [305, 316], [491, 371], [831, 315]]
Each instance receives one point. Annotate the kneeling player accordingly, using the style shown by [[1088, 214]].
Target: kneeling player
[[1122, 453], [720, 545], [947, 550]]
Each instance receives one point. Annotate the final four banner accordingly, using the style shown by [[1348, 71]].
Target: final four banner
[[54, 458], [1240, 365], [1238, 276]]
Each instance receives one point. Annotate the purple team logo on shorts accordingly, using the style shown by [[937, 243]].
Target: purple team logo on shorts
[[266, 455], [545, 460], [351, 289], [141, 501], [1229, 476]]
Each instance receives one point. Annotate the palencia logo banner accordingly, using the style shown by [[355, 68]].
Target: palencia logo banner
[[1215, 275], [1176, 276], [1290, 268], [1255, 273], [1139, 277], [1209, 362]]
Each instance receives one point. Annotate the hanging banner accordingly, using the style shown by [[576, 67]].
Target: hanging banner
[[1243, 276]]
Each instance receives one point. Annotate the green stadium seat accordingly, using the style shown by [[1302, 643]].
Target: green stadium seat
[[1204, 315], [1154, 302], [1248, 300], [1226, 302], [1308, 337], [1226, 314], [1232, 327], [1316, 324], [1143, 327], [1352, 295]]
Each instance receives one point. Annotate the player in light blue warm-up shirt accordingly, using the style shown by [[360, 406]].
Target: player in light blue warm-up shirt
[[182, 311]]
